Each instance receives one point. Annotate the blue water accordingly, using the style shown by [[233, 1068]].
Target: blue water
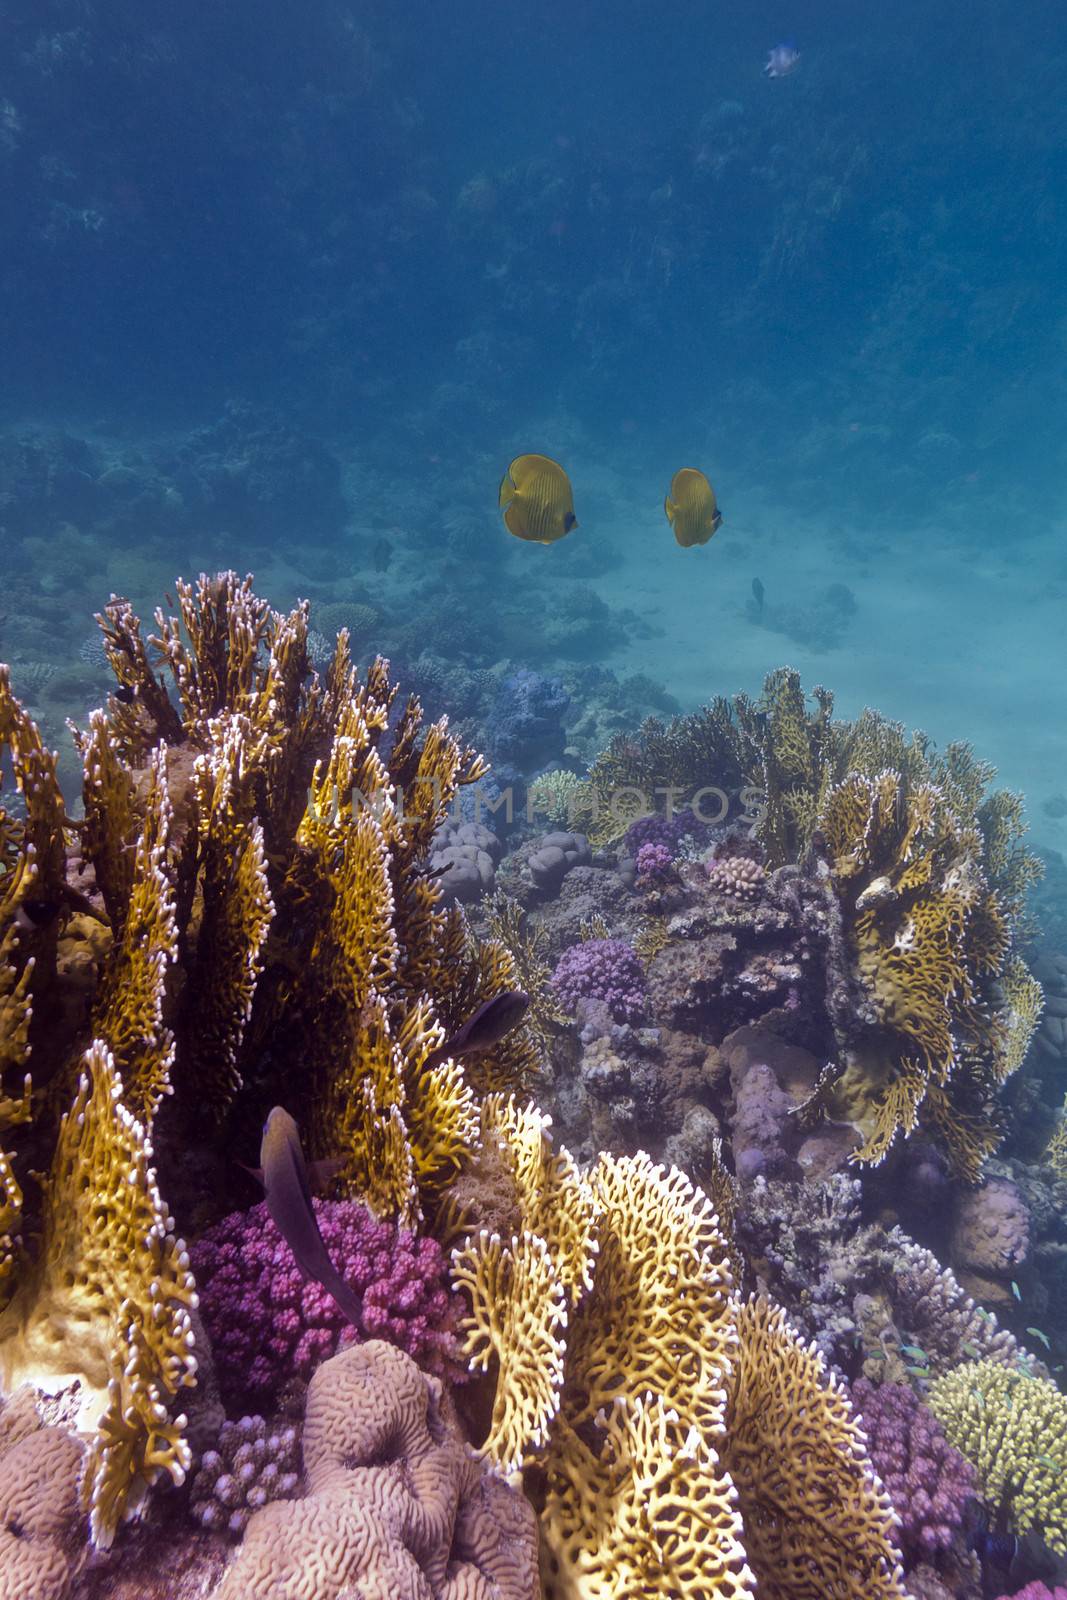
[[404, 244]]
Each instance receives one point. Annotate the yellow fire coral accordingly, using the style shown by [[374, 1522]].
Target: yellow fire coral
[[247, 933], [927, 936], [107, 1301], [520, 1292], [636, 1501], [695, 1445], [816, 1520], [1012, 1427], [518, 1315]]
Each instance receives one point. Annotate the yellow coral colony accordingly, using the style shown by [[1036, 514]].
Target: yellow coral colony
[[927, 933], [816, 1520], [107, 1301], [695, 1446], [1012, 1427]]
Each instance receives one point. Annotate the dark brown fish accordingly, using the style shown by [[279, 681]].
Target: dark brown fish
[[484, 1028], [285, 1183]]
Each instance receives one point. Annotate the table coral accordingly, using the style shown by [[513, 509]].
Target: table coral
[[394, 1504], [929, 1483], [1012, 1427], [269, 1324], [602, 969]]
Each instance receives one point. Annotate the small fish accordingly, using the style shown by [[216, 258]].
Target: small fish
[[691, 509], [124, 694], [32, 914], [492, 1021], [781, 61], [915, 1352], [537, 500], [284, 1176], [1042, 1336], [970, 1349], [1015, 1289], [996, 1548], [757, 595], [918, 1372]]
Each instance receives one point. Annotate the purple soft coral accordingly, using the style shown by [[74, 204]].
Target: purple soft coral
[[602, 969], [929, 1483], [268, 1325]]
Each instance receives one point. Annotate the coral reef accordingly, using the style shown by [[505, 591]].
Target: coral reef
[[928, 877], [269, 1325]]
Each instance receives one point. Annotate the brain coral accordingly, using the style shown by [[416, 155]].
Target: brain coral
[[268, 1324], [395, 1505]]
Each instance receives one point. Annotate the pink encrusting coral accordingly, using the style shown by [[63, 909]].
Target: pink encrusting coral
[[268, 1325], [602, 969], [929, 1482]]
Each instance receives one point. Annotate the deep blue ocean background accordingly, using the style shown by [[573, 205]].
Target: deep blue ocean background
[[285, 288]]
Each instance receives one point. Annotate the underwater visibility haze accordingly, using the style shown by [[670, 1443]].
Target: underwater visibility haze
[[533, 1025]]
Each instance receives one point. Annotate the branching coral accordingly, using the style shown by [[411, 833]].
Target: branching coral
[[929, 1483], [1012, 1427], [269, 1324]]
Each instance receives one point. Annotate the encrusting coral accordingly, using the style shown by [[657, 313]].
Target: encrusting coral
[[1012, 1427]]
